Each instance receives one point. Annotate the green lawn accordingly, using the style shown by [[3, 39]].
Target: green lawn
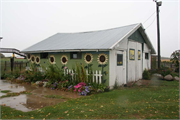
[[159, 100]]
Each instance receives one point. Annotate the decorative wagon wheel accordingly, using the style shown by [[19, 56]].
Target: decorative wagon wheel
[[88, 58], [102, 59], [64, 59], [52, 59], [32, 58], [37, 60], [29, 56]]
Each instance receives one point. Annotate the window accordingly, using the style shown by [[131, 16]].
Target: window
[[44, 55], [131, 54], [119, 59], [76, 55], [139, 55], [146, 56]]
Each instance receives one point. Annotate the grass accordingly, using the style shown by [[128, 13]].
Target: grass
[[5, 91], [55, 96], [15, 94], [159, 100]]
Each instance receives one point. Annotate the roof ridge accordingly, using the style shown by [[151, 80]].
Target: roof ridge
[[99, 30]]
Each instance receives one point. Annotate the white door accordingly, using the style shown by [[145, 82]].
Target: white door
[[121, 67]]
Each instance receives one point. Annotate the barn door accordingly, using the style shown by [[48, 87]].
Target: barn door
[[121, 67]]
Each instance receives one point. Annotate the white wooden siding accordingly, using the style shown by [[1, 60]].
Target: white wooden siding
[[146, 62], [134, 66]]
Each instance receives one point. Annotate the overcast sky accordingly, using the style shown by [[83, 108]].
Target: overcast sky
[[26, 22]]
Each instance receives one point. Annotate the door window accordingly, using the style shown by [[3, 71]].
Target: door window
[[119, 59]]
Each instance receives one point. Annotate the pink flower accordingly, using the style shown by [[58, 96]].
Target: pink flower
[[79, 90], [65, 67], [82, 83]]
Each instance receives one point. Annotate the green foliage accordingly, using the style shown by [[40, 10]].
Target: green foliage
[[4, 75], [5, 91], [55, 96], [163, 71], [174, 74], [101, 87], [115, 84], [48, 85], [98, 87], [146, 74], [175, 59], [34, 74], [54, 73], [15, 94], [2, 56], [16, 73], [81, 73]]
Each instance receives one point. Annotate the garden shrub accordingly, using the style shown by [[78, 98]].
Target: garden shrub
[[16, 73], [81, 73], [99, 87], [53, 73], [146, 74], [115, 85]]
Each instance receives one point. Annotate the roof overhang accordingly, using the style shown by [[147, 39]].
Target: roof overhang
[[143, 33], [66, 50]]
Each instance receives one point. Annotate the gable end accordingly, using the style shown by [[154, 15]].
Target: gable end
[[136, 36]]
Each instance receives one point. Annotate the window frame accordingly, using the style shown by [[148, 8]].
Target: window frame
[[147, 56], [130, 54], [79, 55], [120, 64], [138, 54], [42, 57]]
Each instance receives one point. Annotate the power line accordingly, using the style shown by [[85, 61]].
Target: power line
[[150, 24], [150, 17]]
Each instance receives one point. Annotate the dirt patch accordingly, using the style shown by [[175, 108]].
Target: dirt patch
[[143, 82]]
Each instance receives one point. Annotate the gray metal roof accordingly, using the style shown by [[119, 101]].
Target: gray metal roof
[[103, 39]]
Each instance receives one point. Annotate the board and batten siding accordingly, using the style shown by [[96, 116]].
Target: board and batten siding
[[71, 63], [134, 66], [146, 62], [117, 73]]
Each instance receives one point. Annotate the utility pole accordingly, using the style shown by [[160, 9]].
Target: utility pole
[[1, 38], [158, 31]]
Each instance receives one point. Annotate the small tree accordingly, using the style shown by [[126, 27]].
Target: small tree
[[175, 59], [2, 56], [146, 75]]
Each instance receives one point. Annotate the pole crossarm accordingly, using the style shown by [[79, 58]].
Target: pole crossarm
[[12, 50]]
